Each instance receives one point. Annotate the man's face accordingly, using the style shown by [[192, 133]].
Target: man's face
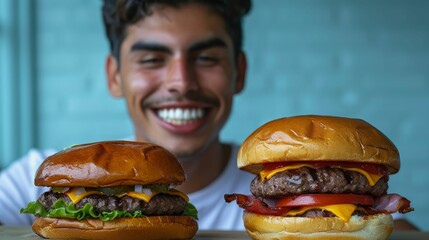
[[178, 75]]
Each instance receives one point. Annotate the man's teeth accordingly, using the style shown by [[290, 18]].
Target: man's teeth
[[180, 116]]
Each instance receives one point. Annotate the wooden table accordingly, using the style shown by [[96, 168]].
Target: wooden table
[[27, 233]]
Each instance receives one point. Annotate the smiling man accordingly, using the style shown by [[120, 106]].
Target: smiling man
[[178, 64]]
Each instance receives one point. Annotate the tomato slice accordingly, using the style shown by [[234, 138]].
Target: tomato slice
[[323, 200]]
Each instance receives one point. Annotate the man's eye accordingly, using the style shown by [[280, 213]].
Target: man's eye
[[207, 60], [150, 60]]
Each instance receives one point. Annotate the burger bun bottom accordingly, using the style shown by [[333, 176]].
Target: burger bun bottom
[[152, 227], [258, 226]]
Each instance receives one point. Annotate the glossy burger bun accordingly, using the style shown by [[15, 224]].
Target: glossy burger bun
[[156, 227], [108, 164], [320, 138], [262, 227]]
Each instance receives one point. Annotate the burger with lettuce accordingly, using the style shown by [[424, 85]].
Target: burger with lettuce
[[112, 190]]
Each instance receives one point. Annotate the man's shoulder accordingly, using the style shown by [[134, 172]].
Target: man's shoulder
[[30, 160], [18, 188], [37, 155]]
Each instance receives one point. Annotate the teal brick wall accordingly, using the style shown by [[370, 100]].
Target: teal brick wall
[[74, 105], [356, 58]]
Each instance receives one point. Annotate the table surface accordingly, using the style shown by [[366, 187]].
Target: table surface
[[26, 233]]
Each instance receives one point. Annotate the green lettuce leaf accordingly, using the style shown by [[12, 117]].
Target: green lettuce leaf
[[61, 210], [190, 210], [35, 208]]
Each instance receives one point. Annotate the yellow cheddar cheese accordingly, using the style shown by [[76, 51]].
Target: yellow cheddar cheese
[[76, 194], [343, 211], [372, 178], [146, 197], [267, 174], [139, 195]]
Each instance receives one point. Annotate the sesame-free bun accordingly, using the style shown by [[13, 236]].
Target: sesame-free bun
[[317, 138], [108, 164], [262, 227], [152, 227]]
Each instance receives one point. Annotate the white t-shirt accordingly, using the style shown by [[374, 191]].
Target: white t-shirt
[[214, 213], [17, 189]]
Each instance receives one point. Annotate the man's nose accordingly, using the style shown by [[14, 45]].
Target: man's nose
[[180, 77]]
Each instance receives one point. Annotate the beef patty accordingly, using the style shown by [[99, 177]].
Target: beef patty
[[161, 204], [309, 180]]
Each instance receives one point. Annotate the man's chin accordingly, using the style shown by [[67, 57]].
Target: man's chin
[[183, 150], [187, 154]]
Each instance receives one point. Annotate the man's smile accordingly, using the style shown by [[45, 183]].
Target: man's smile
[[180, 116]]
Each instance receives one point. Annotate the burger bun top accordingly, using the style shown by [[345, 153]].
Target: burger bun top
[[317, 138], [110, 163]]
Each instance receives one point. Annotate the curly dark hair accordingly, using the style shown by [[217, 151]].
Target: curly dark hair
[[119, 14]]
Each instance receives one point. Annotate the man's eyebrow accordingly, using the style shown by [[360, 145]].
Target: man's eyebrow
[[148, 46], [209, 43]]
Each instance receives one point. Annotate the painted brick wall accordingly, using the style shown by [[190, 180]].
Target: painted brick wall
[[74, 103], [366, 59]]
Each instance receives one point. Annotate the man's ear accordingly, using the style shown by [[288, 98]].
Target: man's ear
[[241, 72], [113, 78]]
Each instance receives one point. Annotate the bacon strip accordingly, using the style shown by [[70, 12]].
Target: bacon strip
[[255, 205], [391, 203]]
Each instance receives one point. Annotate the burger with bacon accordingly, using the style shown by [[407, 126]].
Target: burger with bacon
[[319, 177], [112, 190]]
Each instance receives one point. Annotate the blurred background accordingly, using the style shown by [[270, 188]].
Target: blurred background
[[364, 59]]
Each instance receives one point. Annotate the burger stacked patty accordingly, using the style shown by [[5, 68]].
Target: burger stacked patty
[[161, 204], [309, 180]]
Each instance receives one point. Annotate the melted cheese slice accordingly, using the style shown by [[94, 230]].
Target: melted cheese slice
[[267, 174], [343, 211], [76, 194], [146, 197], [372, 178]]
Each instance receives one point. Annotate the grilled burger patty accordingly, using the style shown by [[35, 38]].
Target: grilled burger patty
[[309, 180], [161, 204]]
